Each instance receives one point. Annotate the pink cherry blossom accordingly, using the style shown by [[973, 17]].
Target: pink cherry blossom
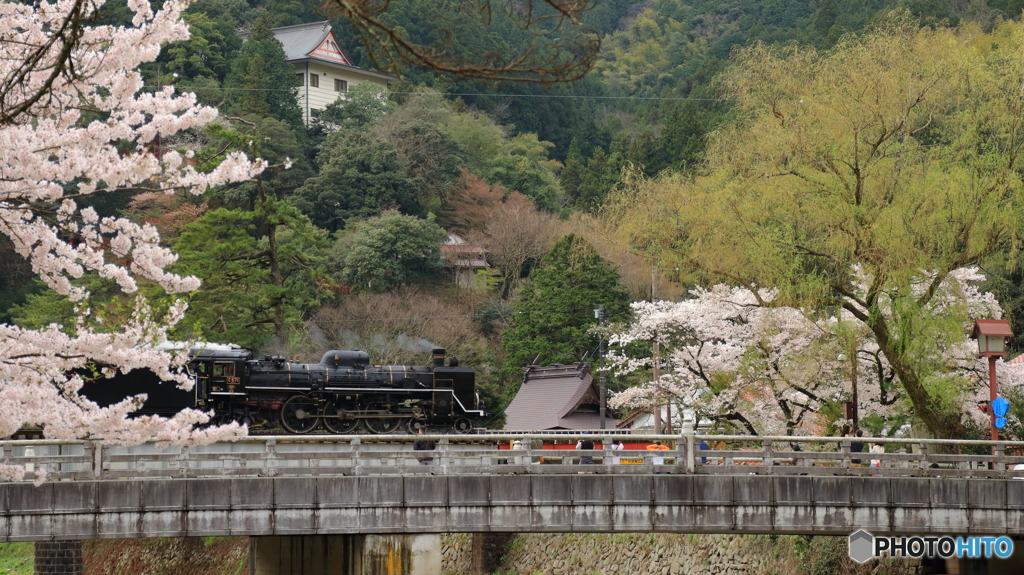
[[57, 143]]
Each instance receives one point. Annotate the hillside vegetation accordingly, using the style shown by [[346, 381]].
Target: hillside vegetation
[[831, 152]]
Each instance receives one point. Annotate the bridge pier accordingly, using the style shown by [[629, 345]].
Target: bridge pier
[[345, 555], [62, 557], [488, 549]]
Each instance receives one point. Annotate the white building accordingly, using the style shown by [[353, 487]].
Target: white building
[[325, 71]]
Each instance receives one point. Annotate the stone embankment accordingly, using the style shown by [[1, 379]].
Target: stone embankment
[[671, 554], [170, 556], [533, 554]]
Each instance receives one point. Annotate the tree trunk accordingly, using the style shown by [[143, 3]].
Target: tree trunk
[[275, 266], [944, 424]]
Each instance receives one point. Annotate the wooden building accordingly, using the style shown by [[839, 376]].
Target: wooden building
[[324, 69], [556, 397]]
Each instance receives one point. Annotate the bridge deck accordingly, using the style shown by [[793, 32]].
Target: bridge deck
[[509, 503], [333, 485]]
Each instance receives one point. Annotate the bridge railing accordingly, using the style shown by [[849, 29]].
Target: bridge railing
[[517, 453]]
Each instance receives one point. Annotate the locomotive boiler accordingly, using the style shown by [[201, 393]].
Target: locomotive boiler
[[341, 394]]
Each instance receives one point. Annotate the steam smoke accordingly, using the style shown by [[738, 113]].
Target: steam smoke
[[410, 344]]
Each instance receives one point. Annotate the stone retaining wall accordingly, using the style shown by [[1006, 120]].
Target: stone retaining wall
[[671, 554]]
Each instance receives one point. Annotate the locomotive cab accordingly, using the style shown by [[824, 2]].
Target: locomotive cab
[[462, 383], [220, 372], [454, 387]]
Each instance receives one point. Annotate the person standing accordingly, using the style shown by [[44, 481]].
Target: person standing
[[796, 461], [616, 446], [424, 445], [585, 445], [876, 448], [857, 446]]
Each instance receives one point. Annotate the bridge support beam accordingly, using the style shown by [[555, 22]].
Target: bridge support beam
[[345, 555], [488, 549], [58, 557]]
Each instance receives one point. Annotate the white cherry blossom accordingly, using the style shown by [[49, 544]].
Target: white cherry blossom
[[69, 94], [769, 370]]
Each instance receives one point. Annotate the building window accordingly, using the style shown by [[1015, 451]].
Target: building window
[[314, 81], [302, 79], [340, 86]]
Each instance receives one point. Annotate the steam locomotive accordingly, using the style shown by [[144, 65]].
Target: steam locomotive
[[340, 394]]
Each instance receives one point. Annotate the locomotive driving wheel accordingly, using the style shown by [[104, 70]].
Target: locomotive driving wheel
[[298, 414], [414, 425], [382, 425], [339, 420], [463, 425]]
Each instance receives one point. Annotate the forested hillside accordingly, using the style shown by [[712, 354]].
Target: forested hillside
[[589, 193]]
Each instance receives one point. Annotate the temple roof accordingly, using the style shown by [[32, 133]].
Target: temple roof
[[556, 397]]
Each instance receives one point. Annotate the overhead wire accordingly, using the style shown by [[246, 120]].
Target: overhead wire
[[474, 94], [411, 318]]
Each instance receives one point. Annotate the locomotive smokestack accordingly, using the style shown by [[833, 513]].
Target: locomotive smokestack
[[438, 354]]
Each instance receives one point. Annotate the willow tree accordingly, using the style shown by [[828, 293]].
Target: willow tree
[[856, 179]]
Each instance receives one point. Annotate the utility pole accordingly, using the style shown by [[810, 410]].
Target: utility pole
[[655, 352], [853, 385], [599, 315], [657, 376]]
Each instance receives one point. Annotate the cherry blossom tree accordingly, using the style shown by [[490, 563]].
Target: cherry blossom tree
[[736, 359], [75, 121], [729, 360]]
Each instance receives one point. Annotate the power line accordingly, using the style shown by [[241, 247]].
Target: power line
[[564, 96], [410, 318]]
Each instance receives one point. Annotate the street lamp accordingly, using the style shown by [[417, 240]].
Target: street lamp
[[991, 335]]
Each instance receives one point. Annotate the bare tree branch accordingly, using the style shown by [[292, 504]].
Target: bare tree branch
[[14, 100]]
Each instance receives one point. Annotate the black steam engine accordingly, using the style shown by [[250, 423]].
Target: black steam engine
[[341, 394]]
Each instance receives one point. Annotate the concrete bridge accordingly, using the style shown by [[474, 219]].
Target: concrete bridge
[[344, 502], [501, 503]]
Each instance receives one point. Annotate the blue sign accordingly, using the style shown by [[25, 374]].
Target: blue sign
[[1000, 422], [999, 407]]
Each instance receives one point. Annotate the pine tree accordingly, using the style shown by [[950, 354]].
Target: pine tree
[[681, 143], [556, 309], [598, 179], [263, 79], [359, 178], [572, 173]]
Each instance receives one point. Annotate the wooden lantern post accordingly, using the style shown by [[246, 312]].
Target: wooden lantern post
[[991, 335]]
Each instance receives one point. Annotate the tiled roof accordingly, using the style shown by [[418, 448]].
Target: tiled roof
[[301, 39], [551, 398], [306, 42]]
